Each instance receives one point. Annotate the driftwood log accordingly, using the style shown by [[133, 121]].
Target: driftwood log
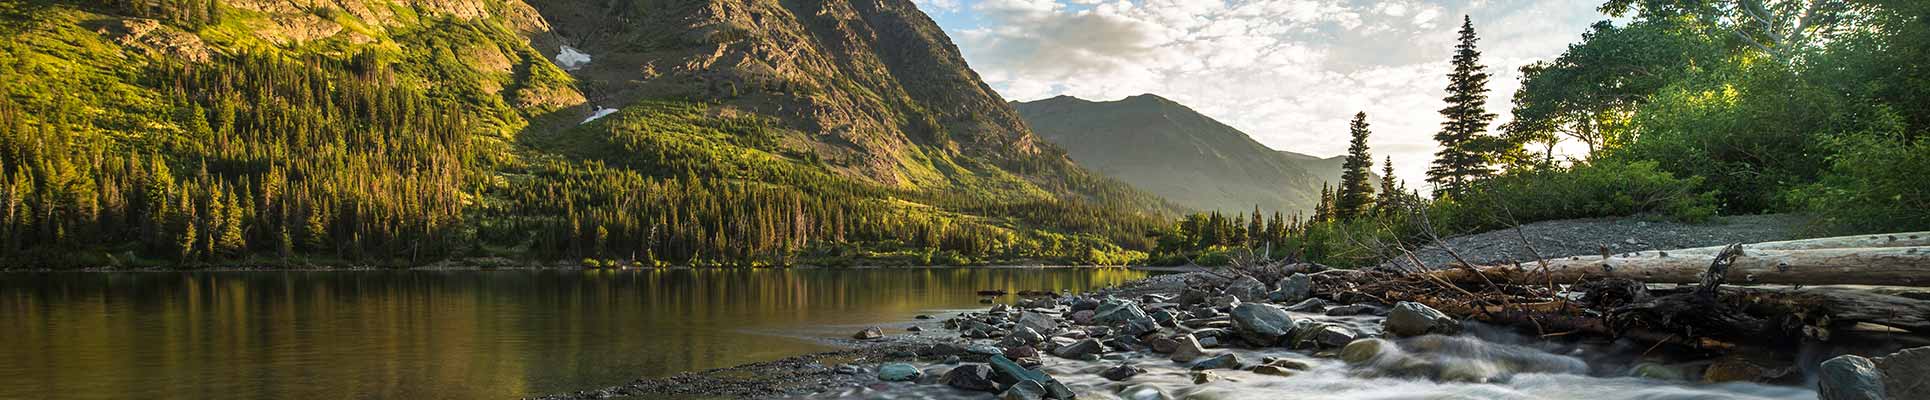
[[1889, 260]]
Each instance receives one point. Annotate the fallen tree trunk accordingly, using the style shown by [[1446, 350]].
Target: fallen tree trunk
[[1891, 266], [1906, 239]]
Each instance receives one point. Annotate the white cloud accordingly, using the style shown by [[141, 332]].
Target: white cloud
[[1289, 72]]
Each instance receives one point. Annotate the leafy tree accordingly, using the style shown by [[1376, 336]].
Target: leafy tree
[[1590, 93], [1463, 157]]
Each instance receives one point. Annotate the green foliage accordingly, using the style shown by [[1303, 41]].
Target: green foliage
[[1465, 153], [1875, 184], [1356, 194], [1589, 190]]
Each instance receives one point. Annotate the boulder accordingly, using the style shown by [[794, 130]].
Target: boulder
[[1187, 350], [1364, 350], [1121, 372], [1415, 319], [1026, 336], [1904, 373], [869, 333], [1024, 390], [1082, 317], [1223, 361], [1021, 352], [1118, 311], [899, 372], [1262, 324], [1247, 288], [1163, 345], [1322, 335], [1355, 309], [1295, 288], [973, 376], [1192, 295], [1851, 377], [1080, 349], [1044, 324]]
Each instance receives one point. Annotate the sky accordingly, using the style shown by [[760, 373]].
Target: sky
[[1291, 73]]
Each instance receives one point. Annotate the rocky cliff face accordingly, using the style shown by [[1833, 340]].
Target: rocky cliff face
[[1168, 149]]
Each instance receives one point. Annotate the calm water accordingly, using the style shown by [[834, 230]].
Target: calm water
[[445, 334]]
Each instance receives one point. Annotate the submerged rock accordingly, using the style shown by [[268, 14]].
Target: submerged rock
[[1121, 372], [1273, 370], [1202, 377], [899, 372], [1024, 390], [1364, 350], [1144, 391], [1415, 319], [1850, 377], [1223, 361], [869, 333]]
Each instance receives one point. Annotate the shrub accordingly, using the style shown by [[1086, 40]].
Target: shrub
[[1597, 189], [1874, 184]]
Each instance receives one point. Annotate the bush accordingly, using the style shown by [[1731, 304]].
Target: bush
[[1592, 190], [1874, 184]]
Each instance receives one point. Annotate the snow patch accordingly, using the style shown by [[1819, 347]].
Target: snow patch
[[571, 59], [600, 113]]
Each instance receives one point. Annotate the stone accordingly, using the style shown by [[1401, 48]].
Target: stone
[[1323, 335], [1082, 317], [1355, 309], [1658, 372], [933, 375], [1310, 305], [1364, 350], [1415, 319], [1026, 336], [1851, 377], [1192, 295], [1024, 390], [869, 334], [899, 372], [1904, 373], [1733, 369], [1039, 322], [1163, 345], [1295, 288], [1224, 301], [1118, 311], [922, 316], [1080, 349], [848, 369], [1165, 317], [1084, 303], [1273, 370], [1287, 363], [1121, 372], [1223, 361], [1188, 349], [973, 376], [1262, 324], [914, 329], [1202, 377], [1245, 287], [1001, 308], [1144, 391], [1021, 352]]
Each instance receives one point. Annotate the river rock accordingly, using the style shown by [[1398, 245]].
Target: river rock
[[1313, 305], [1415, 319], [1658, 371], [1192, 295], [1024, 390], [1165, 317], [1322, 335], [1247, 288], [1904, 373], [1116, 311], [1083, 303], [1144, 391], [1355, 309], [1082, 317], [1223, 361], [1163, 345], [899, 372], [869, 333], [1022, 352], [1224, 302], [1273, 370], [1262, 324], [1187, 350], [971, 377], [1295, 288], [914, 329], [1024, 336], [1364, 350], [1202, 377], [1080, 349], [1039, 322], [1851, 377], [922, 316], [1736, 369], [1121, 372], [1287, 363]]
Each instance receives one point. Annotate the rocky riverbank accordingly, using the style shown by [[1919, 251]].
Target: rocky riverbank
[[1202, 335]]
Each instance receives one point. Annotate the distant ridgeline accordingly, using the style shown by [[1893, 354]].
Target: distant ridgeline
[[375, 132]]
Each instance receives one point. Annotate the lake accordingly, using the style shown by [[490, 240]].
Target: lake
[[448, 334]]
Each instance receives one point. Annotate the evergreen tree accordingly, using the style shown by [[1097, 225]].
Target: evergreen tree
[[1324, 210], [1461, 159], [1389, 198], [1356, 193]]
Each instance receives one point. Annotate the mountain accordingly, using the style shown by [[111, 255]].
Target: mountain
[[401, 132], [1168, 149]]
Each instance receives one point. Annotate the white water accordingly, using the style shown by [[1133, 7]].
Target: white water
[[1512, 367], [571, 59]]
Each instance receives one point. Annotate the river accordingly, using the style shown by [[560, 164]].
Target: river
[[447, 334]]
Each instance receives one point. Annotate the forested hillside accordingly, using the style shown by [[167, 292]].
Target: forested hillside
[[396, 133]]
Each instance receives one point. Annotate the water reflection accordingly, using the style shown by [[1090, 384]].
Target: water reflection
[[445, 334]]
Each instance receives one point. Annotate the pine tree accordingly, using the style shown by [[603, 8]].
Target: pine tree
[[1389, 198], [1461, 161], [1356, 193], [1324, 210], [1256, 228]]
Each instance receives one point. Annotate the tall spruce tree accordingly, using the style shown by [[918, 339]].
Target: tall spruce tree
[[1461, 160], [1356, 193], [1390, 193]]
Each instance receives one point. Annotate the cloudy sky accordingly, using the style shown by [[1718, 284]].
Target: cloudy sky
[[1289, 72]]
